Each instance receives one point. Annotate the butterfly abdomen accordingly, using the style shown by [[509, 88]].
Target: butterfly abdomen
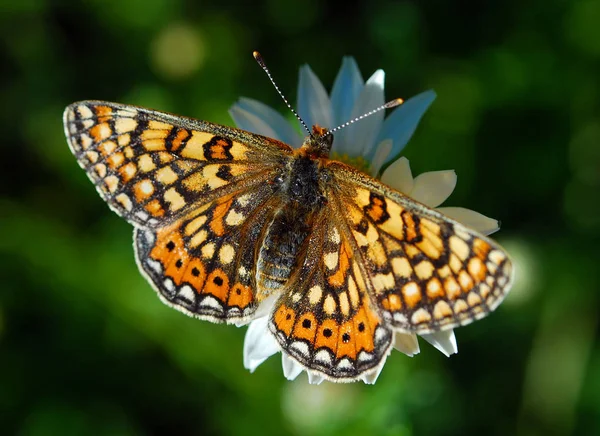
[[283, 241], [302, 196]]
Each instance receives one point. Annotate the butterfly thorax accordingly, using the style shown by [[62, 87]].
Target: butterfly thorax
[[318, 144]]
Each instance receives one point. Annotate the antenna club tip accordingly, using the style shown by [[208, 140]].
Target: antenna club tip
[[256, 55], [394, 103]]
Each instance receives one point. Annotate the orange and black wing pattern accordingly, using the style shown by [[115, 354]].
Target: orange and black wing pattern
[[152, 167], [425, 271], [197, 193], [327, 320], [203, 264], [361, 263]]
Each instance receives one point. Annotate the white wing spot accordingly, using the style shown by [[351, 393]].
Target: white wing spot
[[211, 302], [124, 201], [142, 215], [329, 305], [314, 294], [380, 334], [400, 318], [234, 218], [331, 260], [345, 364], [154, 265], [324, 357], [187, 292], [85, 112], [146, 187], [335, 236], [208, 250], [243, 200], [460, 306], [85, 140], [226, 254], [473, 299], [365, 357], [381, 282], [459, 247], [442, 310], [124, 125], [169, 285], [497, 256], [421, 315], [300, 347]]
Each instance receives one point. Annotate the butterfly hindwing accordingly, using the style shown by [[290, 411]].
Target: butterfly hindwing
[[153, 167], [426, 271], [326, 320], [203, 264]]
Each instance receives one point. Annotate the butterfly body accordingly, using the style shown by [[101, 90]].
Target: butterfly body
[[229, 224], [282, 244]]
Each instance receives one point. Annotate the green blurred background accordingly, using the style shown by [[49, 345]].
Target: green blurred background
[[87, 348]]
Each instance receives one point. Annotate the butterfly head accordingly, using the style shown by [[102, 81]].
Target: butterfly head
[[318, 143]]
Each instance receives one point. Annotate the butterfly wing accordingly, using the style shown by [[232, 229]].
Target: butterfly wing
[[327, 320], [426, 271], [203, 264], [153, 167], [198, 194]]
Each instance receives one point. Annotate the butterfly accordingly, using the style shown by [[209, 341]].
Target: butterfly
[[226, 220]]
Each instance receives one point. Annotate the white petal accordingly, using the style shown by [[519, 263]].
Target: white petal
[[399, 176], [444, 341], [313, 102], [266, 306], [291, 368], [280, 126], [314, 378], [383, 150], [345, 91], [242, 323], [358, 138], [259, 344], [406, 343], [434, 187], [248, 121], [400, 125], [472, 219], [371, 377]]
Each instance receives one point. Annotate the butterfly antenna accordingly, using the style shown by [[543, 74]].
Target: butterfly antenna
[[262, 64], [388, 105]]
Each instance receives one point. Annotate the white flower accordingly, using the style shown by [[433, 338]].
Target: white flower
[[369, 144]]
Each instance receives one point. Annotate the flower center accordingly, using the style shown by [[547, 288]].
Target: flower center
[[359, 162]]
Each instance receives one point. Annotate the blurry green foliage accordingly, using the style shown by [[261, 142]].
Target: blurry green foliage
[[85, 346]]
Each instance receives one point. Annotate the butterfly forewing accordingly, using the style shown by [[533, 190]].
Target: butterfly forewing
[[152, 167], [426, 271]]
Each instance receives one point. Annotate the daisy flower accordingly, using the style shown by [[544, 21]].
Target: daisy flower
[[370, 144]]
